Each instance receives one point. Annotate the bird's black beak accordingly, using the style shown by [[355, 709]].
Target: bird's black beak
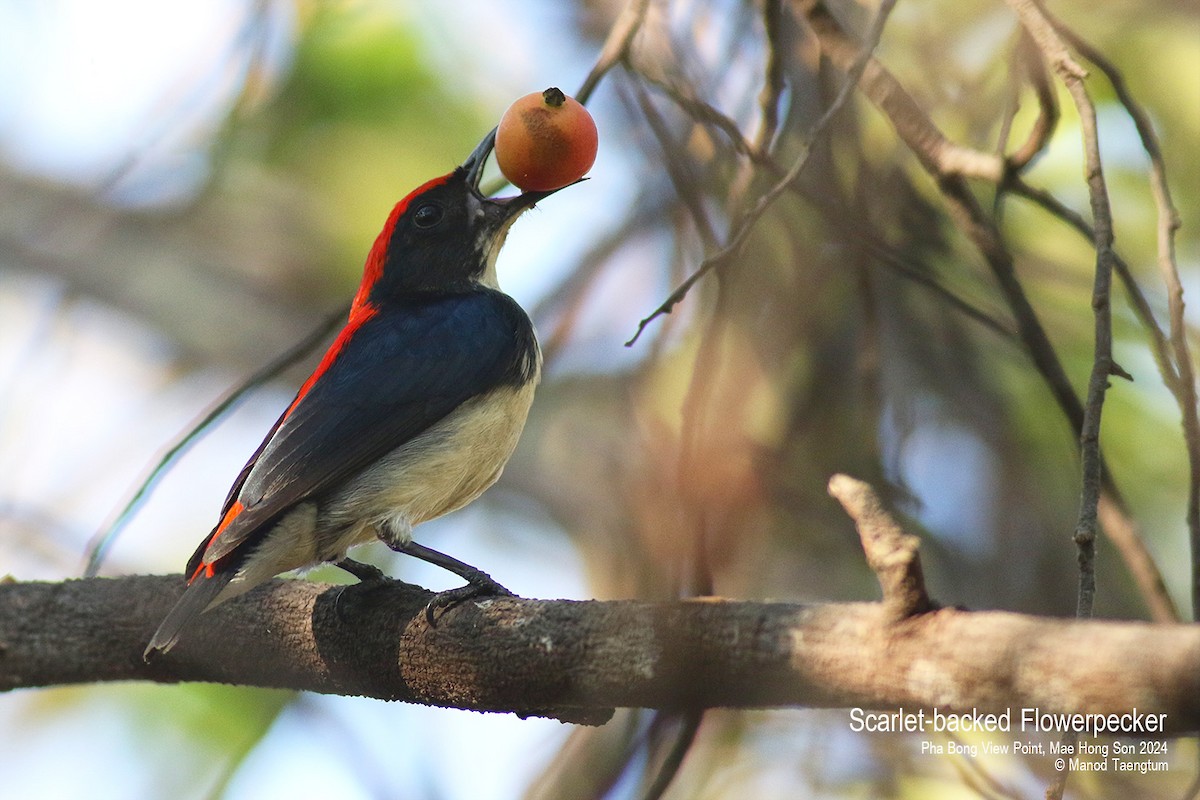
[[473, 167]]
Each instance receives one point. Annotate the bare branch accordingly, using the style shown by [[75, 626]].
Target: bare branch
[[891, 553], [1034, 20], [705, 114], [1184, 386], [579, 659], [1118, 523], [938, 155], [1048, 113], [678, 170]]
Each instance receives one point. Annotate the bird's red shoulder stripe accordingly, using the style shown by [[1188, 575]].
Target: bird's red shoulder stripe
[[361, 309], [359, 314]]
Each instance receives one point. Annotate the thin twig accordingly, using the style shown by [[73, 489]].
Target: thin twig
[[684, 739], [1048, 111], [888, 257], [1115, 516], [616, 46], [685, 183], [1012, 106], [1034, 20], [1137, 298], [705, 114], [937, 154], [745, 225], [1126, 535], [1169, 222]]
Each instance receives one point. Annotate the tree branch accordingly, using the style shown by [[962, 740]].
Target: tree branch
[[578, 660]]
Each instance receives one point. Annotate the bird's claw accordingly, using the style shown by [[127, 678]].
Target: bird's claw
[[366, 573], [482, 586]]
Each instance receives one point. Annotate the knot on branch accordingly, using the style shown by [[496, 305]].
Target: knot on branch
[[891, 553]]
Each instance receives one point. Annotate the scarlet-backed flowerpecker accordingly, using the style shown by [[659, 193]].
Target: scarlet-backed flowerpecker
[[412, 412]]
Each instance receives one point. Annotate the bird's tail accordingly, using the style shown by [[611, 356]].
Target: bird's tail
[[198, 596]]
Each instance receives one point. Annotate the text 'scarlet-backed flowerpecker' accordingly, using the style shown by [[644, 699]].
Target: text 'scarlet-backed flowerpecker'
[[412, 412]]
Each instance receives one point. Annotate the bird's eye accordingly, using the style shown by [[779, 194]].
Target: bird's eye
[[428, 215]]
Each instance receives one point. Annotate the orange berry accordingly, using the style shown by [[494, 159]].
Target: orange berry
[[545, 141]]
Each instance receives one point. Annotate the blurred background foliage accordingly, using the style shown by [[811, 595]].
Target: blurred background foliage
[[187, 189]]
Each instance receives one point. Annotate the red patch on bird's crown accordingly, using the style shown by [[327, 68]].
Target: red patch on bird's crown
[[378, 255]]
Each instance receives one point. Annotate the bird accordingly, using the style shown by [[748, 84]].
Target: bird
[[412, 412]]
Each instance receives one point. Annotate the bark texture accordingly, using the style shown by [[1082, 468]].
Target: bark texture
[[576, 660]]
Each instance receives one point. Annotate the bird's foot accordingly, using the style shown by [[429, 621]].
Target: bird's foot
[[366, 573], [371, 574], [370, 579], [481, 585]]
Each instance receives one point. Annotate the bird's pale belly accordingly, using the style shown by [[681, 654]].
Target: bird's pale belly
[[441, 470]]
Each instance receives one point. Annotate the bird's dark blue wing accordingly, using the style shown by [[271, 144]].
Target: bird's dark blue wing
[[399, 372]]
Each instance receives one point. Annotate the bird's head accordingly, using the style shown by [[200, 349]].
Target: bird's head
[[444, 236]]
